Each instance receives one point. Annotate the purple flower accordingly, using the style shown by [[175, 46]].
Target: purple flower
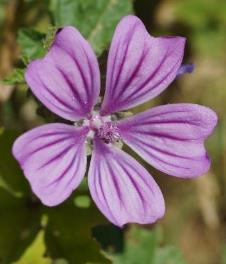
[[169, 137]]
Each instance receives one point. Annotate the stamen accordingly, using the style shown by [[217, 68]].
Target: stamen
[[109, 133]]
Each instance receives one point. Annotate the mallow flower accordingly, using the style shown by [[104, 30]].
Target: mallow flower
[[169, 137]]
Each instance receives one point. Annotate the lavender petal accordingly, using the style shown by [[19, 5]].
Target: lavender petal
[[53, 160], [171, 137], [139, 66], [121, 188], [67, 79]]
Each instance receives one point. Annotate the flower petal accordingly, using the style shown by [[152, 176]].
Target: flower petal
[[139, 66], [53, 159], [67, 79], [171, 137], [121, 188]]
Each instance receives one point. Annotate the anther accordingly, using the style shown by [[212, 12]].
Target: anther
[[109, 133]]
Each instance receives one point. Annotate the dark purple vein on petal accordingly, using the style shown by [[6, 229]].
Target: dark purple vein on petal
[[57, 98], [115, 183], [65, 170], [77, 163], [110, 89], [129, 36], [159, 159], [164, 135], [49, 134], [173, 122], [51, 143], [60, 154], [148, 117], [130, 177], [71, 86], [164, 151], [138, 173], [95, 176], [130, 79], [90, 70], [172, 165], [138, 90], [103, 193], [71, 55]]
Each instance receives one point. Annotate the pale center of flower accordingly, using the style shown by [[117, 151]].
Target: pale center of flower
[[103, 127]]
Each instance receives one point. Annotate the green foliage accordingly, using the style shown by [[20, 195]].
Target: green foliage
[[19, 224], [31, 44], [49, 38], [68, 234], [144, 246], [15, 77], [201, 13], [208, 21], [110, 237], [95, 19], [35, 253], [168, 255]]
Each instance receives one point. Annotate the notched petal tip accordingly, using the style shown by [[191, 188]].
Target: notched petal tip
[[67, 79], [129, 19], [139, 66]]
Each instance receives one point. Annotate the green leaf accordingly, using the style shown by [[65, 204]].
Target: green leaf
[[110, 237], [143, 246], [15, 77], [95, 19], [49, 38], [35, 253], [139, 248], [68, 234], [168, 255], [31, 44], [19, 224]]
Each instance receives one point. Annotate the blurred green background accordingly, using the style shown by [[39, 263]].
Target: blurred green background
[[193, 229]]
